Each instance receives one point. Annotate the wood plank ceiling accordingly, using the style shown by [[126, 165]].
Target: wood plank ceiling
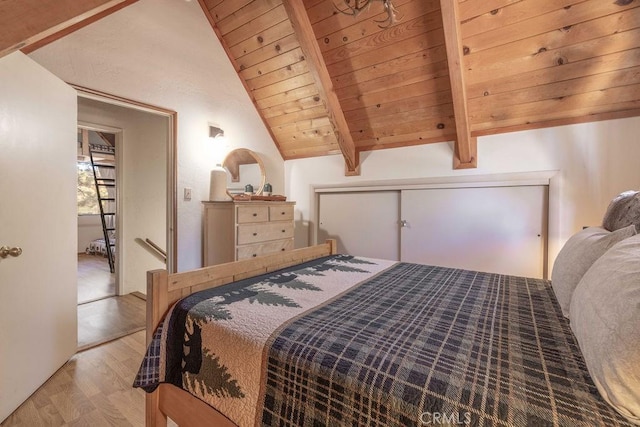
[[450, 73], [326, 83]]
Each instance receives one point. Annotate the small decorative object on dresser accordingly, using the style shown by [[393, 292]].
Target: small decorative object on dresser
[[244, 229], [267, 190]]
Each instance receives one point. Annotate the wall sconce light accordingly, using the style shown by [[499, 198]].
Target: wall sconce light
[[218, 183], [217, 143], [215, 132]]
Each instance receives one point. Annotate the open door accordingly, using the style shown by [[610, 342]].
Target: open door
[[38, 331]]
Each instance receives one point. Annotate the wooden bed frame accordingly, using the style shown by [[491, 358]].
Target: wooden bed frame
[[164, 289]]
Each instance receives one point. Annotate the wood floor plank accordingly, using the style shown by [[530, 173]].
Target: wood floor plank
[[95, 281], [87, 385], [55, 385], [108, 319], [50, 416], [129, 403], [34, 416], [110, 412], [93, 389], [71, 404], [92, 419]]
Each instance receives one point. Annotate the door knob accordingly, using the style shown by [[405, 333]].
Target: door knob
[[5, 251]]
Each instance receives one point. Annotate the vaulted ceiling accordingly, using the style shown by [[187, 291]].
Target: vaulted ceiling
[[325, 82]]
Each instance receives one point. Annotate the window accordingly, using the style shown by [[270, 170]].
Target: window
[[87, 198], [102, 145]]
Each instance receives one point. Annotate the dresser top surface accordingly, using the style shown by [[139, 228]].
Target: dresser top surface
[[248, 202]]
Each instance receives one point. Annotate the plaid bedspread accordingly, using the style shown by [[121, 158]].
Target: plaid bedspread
[[418, 345]]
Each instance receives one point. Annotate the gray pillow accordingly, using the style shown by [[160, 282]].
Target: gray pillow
[[605, 318], [623, 211], [577, 255]]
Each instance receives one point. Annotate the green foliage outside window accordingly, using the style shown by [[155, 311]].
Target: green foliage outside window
[[87, 198]]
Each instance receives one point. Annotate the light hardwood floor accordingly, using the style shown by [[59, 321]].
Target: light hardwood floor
[[110, 318], [95, 281], [103, 317], [92, 389]]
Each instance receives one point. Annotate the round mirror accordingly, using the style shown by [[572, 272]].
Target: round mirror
[[244, 168]]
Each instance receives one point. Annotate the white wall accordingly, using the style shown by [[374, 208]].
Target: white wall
[[142, 171], [89, 229], [165, 53], [595, 162]]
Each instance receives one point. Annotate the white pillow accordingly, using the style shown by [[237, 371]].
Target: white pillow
[[623, 210], [605, 318], [577, 255]]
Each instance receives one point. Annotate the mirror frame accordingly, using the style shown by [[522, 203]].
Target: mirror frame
[[233, 167]]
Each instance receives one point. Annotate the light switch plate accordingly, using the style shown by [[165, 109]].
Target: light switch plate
[[187, 194]]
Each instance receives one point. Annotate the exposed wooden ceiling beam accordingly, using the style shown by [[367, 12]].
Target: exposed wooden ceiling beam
[[318, 69], [465, 153], [234, 63], [30, 24]]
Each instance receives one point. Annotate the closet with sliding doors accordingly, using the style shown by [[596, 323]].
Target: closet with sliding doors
[[496, 226]]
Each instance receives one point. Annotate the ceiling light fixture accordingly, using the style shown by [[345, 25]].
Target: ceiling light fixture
[[360, 5]]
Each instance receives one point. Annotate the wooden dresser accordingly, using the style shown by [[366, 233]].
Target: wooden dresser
[[239, 230]]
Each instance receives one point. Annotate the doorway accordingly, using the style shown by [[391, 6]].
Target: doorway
[[142, 203], [97, 210]]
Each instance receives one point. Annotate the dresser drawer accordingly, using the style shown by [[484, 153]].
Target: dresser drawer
[[281, 213], [251, 251], [255, 233], [244, 229], [252, 214]]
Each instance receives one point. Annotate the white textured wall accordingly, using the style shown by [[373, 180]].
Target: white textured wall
[[89, 229], [596, 161], [164, 52], [143, 193]]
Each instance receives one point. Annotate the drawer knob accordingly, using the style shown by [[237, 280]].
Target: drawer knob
[[284, 231], [254, 255], [282, 249], [282, 213], [255, 234], [255, 214]]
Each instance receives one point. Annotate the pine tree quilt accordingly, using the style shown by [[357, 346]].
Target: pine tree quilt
[[345, 341], [212, 343]]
